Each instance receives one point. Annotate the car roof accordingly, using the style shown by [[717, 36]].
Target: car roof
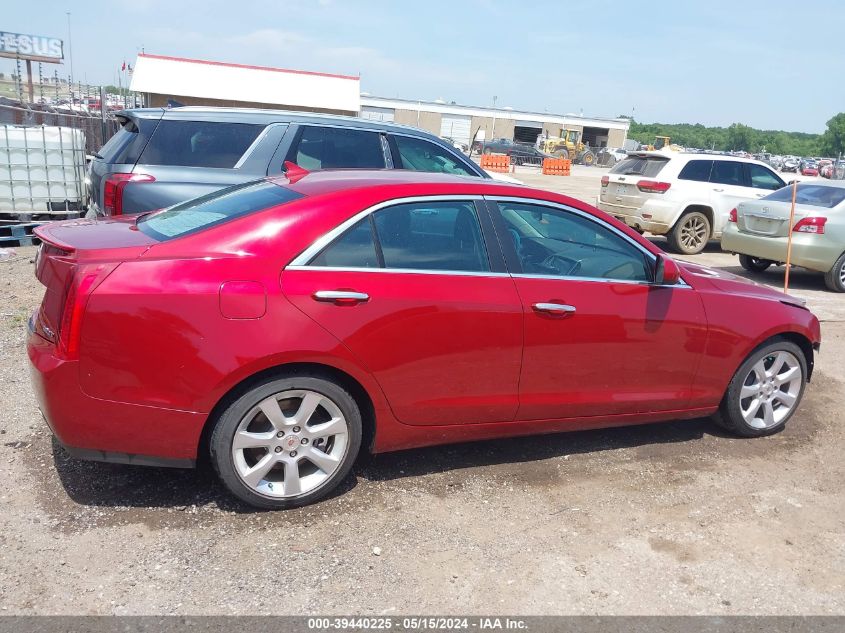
[[823, 183], [697, 156], [328, 181], [266, 116]]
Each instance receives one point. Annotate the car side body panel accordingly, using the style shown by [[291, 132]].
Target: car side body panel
[[159, 353]]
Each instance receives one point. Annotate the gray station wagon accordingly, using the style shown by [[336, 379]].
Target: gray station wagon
[[160, 157]]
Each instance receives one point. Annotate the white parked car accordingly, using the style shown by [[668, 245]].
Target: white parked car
[[686, 197]]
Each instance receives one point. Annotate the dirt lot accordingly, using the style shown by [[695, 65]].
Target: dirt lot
[[667, 519]]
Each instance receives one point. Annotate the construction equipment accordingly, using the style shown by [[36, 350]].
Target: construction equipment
[[663, 143], [569, 146]]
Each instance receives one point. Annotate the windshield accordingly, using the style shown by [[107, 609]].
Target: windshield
[[215, 208], [826, 196]]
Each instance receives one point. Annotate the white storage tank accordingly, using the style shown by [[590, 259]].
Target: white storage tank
[[42, 172]]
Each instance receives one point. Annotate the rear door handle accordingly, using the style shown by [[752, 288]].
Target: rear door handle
[[718, 190], [554, 308], [341, 296]]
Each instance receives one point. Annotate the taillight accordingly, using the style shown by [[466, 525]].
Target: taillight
[[82, 282], [605, 180], [113, 190], [732, 216], [653, 186], [810, 225]]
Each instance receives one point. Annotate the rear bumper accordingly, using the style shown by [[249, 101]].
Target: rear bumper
[[104, 430], [659, 223], [808, 250]]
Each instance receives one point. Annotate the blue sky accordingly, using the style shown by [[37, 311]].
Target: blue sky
[[767, 63]]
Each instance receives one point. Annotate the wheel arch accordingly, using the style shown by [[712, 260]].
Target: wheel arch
[[706, 209], [801, 340], [319, 370]]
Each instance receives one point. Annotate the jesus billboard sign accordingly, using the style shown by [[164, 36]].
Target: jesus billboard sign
[[34, 47]]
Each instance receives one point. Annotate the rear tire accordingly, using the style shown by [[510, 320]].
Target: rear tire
[[754, 264], [765, 391], [834, 279], [690, 233], [562, 153], [286, 442], [588, 159]]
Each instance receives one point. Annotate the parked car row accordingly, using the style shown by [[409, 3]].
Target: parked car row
[[693, 199], [335, 298], [686, 197]]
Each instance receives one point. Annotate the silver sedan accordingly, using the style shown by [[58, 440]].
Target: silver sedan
[[758, 230]]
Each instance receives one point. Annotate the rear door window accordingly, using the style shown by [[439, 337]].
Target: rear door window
[[648, 166], [354, 249], [444, 236], [728, 172], [338, 148], [697, 170], [199, 143]]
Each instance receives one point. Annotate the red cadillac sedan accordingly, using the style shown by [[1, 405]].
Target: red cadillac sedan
[[281, 326]]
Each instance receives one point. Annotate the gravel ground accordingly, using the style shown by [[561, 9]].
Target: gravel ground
[[674, 518]]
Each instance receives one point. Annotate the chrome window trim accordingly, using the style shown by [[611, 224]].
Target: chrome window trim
[[604, 280], [410, 271], [320, 243]]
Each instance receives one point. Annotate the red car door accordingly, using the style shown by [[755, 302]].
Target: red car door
[[600, 339], [410, 290]]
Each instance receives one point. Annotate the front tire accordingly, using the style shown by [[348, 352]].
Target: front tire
[[765, 391], [834, 279], [754, 264], [286, 442], [690, 233]]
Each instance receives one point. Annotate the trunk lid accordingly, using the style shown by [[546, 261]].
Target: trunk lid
[[74, 257], [770, 218]]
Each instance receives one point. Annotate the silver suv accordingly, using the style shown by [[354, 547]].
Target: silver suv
[[161, 157], [685, 196]]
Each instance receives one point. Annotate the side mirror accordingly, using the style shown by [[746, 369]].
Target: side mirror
[[667, 272]]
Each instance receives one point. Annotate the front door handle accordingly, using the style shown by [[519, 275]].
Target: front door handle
[[719, 190], [554, 308], [341, 296]]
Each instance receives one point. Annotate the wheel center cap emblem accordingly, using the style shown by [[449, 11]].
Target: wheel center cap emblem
[[768, 390], [291, 442]]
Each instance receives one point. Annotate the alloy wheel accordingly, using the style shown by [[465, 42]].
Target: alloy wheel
[[770, 390], [693, 233], [290, 443]]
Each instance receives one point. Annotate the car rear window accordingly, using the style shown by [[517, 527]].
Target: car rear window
[[640, 166], [198, 143], [215, 208], [127, 143], [826, 196]]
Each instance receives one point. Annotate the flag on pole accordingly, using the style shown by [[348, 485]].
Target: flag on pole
[[122, 68]]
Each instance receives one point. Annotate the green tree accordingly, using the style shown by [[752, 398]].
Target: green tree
[[741, 137], [833, 140]]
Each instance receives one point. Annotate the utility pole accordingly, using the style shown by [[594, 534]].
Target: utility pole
[[70, 49]]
